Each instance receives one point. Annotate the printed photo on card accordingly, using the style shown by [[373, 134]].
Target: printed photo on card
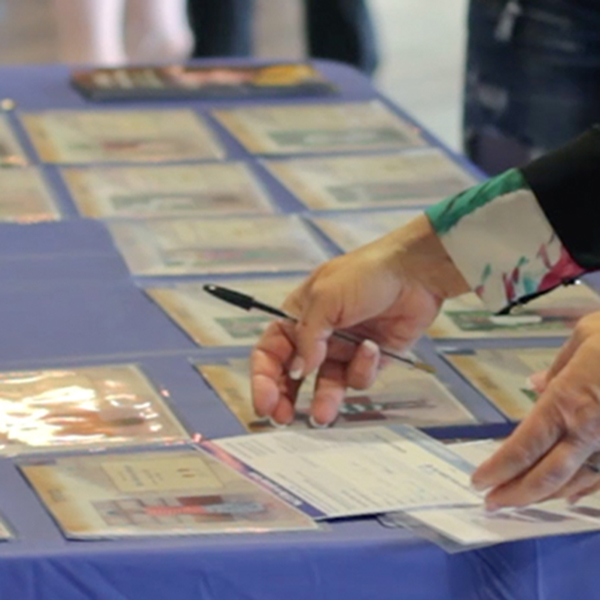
[[26, 198], [501, 375], [168, 493], [398, 396], [114, 405], [551, 315], [212, 322], [381, 181], [166, 191], [85, 136], [205, 246], [11, 152], [316, 128], [352, 230]]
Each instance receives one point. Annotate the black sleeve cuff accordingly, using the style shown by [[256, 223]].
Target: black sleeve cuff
[[566, 183]]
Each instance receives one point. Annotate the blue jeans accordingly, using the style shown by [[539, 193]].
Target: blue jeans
[[336, 29], [533, 78]]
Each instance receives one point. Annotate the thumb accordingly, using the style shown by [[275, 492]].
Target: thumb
[[314, 328]]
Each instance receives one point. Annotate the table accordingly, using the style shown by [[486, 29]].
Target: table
[[66, 298]]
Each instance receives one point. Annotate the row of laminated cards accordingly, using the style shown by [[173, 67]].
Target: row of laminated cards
[[155, 136], [414, 178]]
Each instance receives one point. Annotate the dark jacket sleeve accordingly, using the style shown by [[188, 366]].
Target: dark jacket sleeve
[[566, 183]]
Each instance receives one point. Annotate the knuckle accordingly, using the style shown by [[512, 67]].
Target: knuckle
[[552, 479]]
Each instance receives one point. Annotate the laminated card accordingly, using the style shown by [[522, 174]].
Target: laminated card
[[501, 374], [26, 197], [86, 136], [351, 230], [166, 191], [399, 396], [372, 181], [551, 315], [315, 128], [168, 493], [205, 246], [57, 409], [212, 322], [11, 152]]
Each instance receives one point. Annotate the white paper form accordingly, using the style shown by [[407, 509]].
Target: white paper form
[[343, 473]]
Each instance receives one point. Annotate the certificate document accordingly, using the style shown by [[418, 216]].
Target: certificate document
[[351, 230], [551, 315], [57, 409], [25, 197], [501, 375], [315, 128], [11, 152], [86, 136], [353, 472], [205, 246], [461, 528], [372, 181], [166, 191], [398, 396], [161, 493], [212, 322]]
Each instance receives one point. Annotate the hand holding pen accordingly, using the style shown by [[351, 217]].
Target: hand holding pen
[[370, 294]]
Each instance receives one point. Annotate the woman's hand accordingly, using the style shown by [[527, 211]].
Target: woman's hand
[[387, 292], [546, 455]]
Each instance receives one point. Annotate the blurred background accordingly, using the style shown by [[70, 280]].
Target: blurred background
[[422, 49]]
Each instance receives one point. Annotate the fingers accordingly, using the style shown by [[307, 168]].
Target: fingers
[[330, 388], [530, 441], [335, 376], [585, 479], [364, 366], [544, 480], [270, 359], [538, 381], [564, 356]]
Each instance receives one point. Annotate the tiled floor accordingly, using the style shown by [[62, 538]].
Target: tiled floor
[[421, 40]]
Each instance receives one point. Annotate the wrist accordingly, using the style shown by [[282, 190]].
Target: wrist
[[418, 254]]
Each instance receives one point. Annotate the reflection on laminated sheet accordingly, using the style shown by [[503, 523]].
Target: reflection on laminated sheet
[[82, 407]]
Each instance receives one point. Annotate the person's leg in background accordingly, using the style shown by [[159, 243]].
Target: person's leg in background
[[533, 78], [91, 31], [221, 27], [342, 30], [158, 30]]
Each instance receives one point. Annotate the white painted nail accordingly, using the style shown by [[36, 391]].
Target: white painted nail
[[316, 425], [297, 368], [529, 384], [276, 425], [370, 348]]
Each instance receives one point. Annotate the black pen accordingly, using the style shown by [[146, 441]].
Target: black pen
[[247, 303]]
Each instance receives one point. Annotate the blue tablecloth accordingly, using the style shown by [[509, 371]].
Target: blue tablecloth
[[66, 298]]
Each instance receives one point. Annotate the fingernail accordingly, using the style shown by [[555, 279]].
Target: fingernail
[[297, 368], [277, 425], [315, 424], [370, 348], [479, 486], [529, 385], [491, 507]]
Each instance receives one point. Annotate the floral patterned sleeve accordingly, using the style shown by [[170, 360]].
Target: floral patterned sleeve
[[529, 230]]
